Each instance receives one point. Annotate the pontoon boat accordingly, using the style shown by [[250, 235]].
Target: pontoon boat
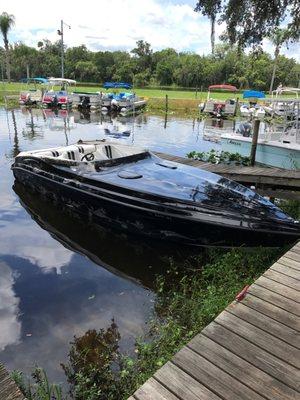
[[32, 94], [219, 108], [58, 98]]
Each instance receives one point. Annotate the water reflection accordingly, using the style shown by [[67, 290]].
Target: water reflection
[[135, 259], [177, 136], [10, 326]]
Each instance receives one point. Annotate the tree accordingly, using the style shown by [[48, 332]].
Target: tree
[[23, 59], [278, 38], [143, 53], [6, 23], [87, 70], [210, 8], [248, 22]]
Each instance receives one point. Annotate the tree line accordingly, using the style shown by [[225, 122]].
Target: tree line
[[143, 67]]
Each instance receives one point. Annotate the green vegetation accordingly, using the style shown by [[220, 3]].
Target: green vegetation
[[188, 298], [219, 157], [248, 22], [144, 67], [39, 388]]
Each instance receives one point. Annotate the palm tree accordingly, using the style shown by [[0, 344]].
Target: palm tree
[[278, 38], [6, 23], [210, 8]]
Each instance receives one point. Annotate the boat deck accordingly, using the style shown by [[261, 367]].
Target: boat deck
[[251, 351], [8, 388], [272, 179]]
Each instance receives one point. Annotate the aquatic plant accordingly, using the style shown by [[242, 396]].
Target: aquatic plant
[[39, 387], [219, 157]]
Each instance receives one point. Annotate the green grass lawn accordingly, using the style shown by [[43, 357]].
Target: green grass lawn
[[13, 88]]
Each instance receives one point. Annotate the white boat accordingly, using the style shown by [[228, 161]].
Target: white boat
[[129, 102], [219, 108], [281, 149], [283, 106], [246, 110], [58, 98], [33, 92], [251, 111], [87, 100]]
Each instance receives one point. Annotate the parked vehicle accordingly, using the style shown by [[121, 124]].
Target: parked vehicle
[[131, 189]]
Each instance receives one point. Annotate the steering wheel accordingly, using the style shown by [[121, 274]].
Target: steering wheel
[[88, 157]]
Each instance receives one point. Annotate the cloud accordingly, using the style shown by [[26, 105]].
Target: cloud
[[10, 327], [39, 248], [117, 24]]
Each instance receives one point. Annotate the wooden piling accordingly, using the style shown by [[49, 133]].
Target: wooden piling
[[167, 103], [254, 141]]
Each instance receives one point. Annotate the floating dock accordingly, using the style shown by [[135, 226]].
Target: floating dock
[[272, 179], [251, 351]]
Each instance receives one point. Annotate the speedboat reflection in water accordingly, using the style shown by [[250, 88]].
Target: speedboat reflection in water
[[129, 188], [124, 255]]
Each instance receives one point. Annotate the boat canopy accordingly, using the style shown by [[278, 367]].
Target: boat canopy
[[117, 85], [61, 81], [290, 89], [34, 80], [231, 88], [253, 94]]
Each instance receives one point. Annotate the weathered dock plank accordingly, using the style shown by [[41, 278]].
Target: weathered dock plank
[[8, 388], [250, 351], [263, 176]]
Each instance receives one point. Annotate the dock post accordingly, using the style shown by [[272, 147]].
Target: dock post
[[254, 141], [167, 103]]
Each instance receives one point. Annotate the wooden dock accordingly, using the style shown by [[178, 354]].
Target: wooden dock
[[264, 177], [8, 388], [251, 351]]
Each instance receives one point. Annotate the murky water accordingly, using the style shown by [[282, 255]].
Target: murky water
[[59, 276]]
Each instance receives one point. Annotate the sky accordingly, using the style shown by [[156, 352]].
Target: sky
[[118, 24]]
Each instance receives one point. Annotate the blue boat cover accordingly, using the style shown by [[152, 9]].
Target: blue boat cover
[[117, 85], [253, 94]]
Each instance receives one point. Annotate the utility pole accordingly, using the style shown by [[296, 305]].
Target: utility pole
[[61, 34]]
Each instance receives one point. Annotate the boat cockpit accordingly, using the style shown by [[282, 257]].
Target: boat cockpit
[[85, 152]]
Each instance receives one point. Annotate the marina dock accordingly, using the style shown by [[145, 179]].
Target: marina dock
[[272, 179], [8, 388], [251, 351]]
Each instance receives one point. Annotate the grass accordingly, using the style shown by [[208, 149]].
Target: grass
[[16, 87]]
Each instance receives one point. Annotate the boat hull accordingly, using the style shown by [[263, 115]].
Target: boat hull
[[266, 153], [138, 217]]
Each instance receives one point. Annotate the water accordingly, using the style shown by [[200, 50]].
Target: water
[[60, 277]]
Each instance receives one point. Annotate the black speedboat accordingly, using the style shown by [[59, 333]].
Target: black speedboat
[[130, 188]]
